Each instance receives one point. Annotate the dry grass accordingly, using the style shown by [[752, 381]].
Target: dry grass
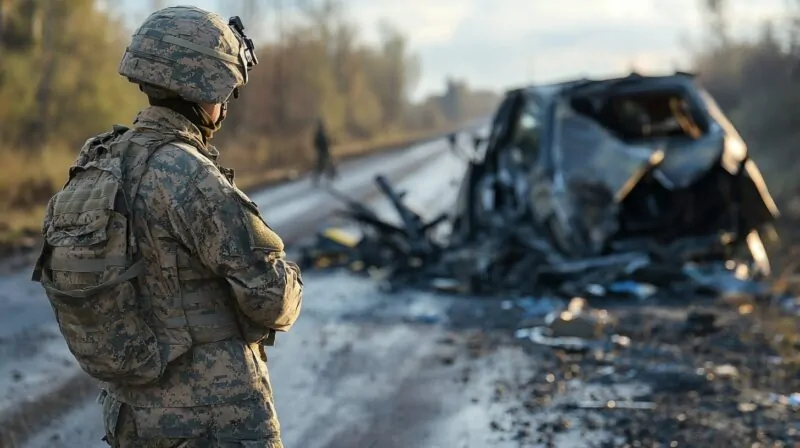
[[28, 180], [26, 183]]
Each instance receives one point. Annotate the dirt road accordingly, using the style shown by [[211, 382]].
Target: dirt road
[[359, 369], [364, 369]]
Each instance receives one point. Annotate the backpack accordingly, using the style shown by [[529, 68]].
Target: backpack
[[90, 267]]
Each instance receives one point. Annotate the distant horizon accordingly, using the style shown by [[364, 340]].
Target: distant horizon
[[501, 44]]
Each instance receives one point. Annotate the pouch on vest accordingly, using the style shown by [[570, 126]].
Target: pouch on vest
[[89, 270]]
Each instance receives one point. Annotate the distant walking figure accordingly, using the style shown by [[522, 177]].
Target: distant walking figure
[[451, 139], [325, 165]]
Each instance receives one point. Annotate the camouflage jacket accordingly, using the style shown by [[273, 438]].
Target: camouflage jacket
[[215, 274]]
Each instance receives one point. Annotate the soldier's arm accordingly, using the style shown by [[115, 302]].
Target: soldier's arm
[[229, 236]]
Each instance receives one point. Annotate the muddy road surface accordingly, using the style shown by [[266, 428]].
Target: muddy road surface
[[366, 369], [359, 369]]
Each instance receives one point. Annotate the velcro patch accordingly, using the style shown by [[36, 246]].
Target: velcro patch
[[261, 236]]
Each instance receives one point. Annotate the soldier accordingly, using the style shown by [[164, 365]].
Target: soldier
[[325, 165], [165, 280], [452, 140]]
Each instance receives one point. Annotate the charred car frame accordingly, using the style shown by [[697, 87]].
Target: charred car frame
[[583, 182]]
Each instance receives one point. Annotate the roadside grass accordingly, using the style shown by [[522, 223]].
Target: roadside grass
[[27, 180]]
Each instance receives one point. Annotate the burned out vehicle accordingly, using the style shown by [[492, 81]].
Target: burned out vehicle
[[601, 166], [582, 183]]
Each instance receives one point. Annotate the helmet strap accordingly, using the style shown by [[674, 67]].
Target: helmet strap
[[192, 112]]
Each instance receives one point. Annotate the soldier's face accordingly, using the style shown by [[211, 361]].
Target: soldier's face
[[213, 110]]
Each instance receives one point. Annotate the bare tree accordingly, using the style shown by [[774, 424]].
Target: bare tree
[[280, 62], [5, 12], [49, 26], [717, 11]]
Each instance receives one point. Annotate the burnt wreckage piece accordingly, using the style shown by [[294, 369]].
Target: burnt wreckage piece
[[583, 184], [402, 253]]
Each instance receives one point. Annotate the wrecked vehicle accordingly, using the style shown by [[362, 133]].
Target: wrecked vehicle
[[584, 182], [636, 164]]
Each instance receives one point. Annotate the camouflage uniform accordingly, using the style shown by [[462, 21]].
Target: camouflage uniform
[[215, 283]]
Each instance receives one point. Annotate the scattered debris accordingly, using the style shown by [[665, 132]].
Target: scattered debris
[[575, 328], [791, 401], [577, 321], [791, 305], [611, 404], [635, 289], [701, 323], [426, 319], [725, 371], [747, 407], [537, 307], [635, 188], [728, 386]]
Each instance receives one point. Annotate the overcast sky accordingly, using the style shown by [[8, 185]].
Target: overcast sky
[[502, 43]]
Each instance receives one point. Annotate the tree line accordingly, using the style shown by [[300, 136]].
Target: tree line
[[58, 79], [755, 80], [59, 85]]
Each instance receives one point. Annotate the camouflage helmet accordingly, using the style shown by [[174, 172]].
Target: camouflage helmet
[[190, 52]]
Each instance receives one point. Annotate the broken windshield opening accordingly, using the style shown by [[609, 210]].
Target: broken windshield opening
[[635, 117]]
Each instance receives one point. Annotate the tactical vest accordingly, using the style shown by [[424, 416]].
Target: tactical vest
[[92, 270]]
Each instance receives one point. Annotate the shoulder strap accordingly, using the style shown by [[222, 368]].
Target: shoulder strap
[[135, 164]]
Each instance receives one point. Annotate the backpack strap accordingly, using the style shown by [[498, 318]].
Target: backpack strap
[[134, 166], [129, 274]]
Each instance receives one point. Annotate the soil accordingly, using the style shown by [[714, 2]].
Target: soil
[[703, 383]]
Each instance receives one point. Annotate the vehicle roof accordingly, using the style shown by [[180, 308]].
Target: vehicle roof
[[597, 85]]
